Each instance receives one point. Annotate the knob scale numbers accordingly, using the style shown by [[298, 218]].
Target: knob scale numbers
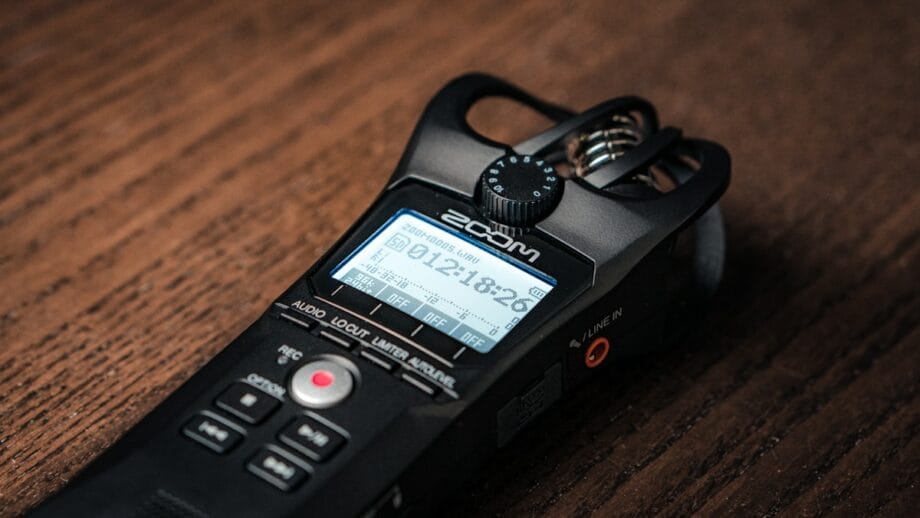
[[519, 190]]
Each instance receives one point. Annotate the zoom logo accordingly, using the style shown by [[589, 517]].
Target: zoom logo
[[493, 237]]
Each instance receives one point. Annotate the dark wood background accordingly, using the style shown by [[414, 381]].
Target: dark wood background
[[167, 168]]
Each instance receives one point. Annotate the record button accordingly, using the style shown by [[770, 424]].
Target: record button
[[321, 384]]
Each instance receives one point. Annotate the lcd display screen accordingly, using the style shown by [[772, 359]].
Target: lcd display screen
[[444, 279]]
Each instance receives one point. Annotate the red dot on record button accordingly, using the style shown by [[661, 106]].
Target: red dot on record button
[[322, 378]]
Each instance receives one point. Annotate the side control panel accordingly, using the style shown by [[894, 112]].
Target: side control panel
[[527, 405]]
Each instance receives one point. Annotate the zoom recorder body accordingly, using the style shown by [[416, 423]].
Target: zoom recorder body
[[483, 283]]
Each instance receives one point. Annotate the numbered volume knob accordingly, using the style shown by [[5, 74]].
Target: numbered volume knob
[[519, 190]]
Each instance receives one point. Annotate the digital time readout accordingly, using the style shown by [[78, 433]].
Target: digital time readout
[[444, 280]]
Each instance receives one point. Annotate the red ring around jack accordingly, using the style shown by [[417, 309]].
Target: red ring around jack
[[597, 352]]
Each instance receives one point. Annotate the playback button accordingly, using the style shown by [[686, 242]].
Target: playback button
[[312, 438]]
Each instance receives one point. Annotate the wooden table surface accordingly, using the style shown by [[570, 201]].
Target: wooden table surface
[[167, 168]]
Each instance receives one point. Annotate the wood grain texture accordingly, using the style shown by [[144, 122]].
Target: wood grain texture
[[167, 168]]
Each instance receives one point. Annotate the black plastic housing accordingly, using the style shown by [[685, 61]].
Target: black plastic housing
[[404, 448]]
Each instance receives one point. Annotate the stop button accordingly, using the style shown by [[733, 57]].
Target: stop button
[[321, 384]]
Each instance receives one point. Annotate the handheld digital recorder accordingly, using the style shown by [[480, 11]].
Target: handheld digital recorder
[[485, 281]]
